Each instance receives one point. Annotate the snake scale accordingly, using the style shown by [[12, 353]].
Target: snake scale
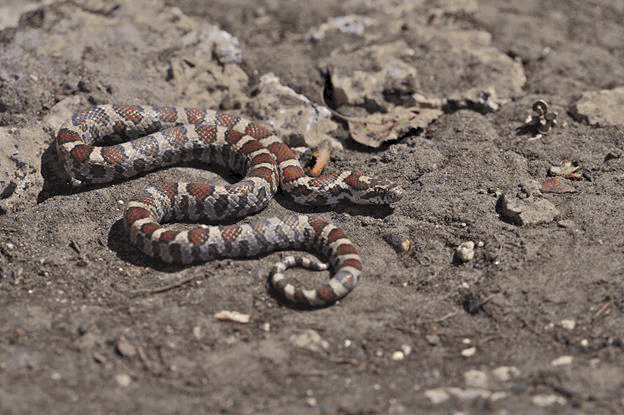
[[150, 137]]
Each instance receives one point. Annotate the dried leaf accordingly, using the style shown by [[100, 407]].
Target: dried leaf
[[557, 184]]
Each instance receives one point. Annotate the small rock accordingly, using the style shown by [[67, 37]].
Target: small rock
[[465, 251], [600, 107], [547, 400], [398, 355], [234, 316], [406, 349], [224, 45], [568, 324], [496, 396], [526, 212], [469, 351], [567, 169], [505, 373], [433, 339], [476, 379], [123, 379], [398, 242], [563, 360], [310, 340], [469, 394], [125, 348], [566, 223], [437, 396], [352, 24]]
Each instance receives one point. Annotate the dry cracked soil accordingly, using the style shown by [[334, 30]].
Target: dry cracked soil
[[494, 286]]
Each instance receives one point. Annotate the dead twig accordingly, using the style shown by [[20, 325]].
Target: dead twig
[[438, 320], [158, 290]]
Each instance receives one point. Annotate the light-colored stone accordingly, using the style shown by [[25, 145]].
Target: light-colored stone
[[527, 212], [234, 316], [605, 107], [465, 251], [505, 373], [476, 379], [547, 400], [562, 361], [469, 352], [437, 396], [568, 324], [123, 380], [310, 340], [469, 394]]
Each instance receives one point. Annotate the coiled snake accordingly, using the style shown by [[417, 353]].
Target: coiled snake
[[154, 137]]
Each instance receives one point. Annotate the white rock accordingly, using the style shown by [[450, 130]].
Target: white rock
[[469, 351], [568, 324], [406, 349], [469, 394], [123, 379], [437, 396], [560, 361], [234, 316], [398, 355], [547, 400], [310, 340], [465, 251], [505, 373], [476, 379], [496, 396]]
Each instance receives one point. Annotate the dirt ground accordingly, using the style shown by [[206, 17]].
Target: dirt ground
[[530, 320]]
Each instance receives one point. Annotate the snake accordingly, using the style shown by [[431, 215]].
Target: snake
[[109, 143]]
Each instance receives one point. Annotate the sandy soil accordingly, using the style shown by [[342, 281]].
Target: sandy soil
[[532, 323]]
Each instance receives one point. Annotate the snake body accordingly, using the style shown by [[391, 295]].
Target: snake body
[[151, 137]]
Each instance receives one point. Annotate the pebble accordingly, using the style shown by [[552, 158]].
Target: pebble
[[310, 340], [125, 348], [406, 349], [476, 379], [437, 396], [465, 251], [547, 400], [398, 355], [601, 107], [469, 351], [469, 394], [234, 316], [123, 379], [563, 360], [568, 324], [496, 396], [505, 373], [433, 339], [527, 212]]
